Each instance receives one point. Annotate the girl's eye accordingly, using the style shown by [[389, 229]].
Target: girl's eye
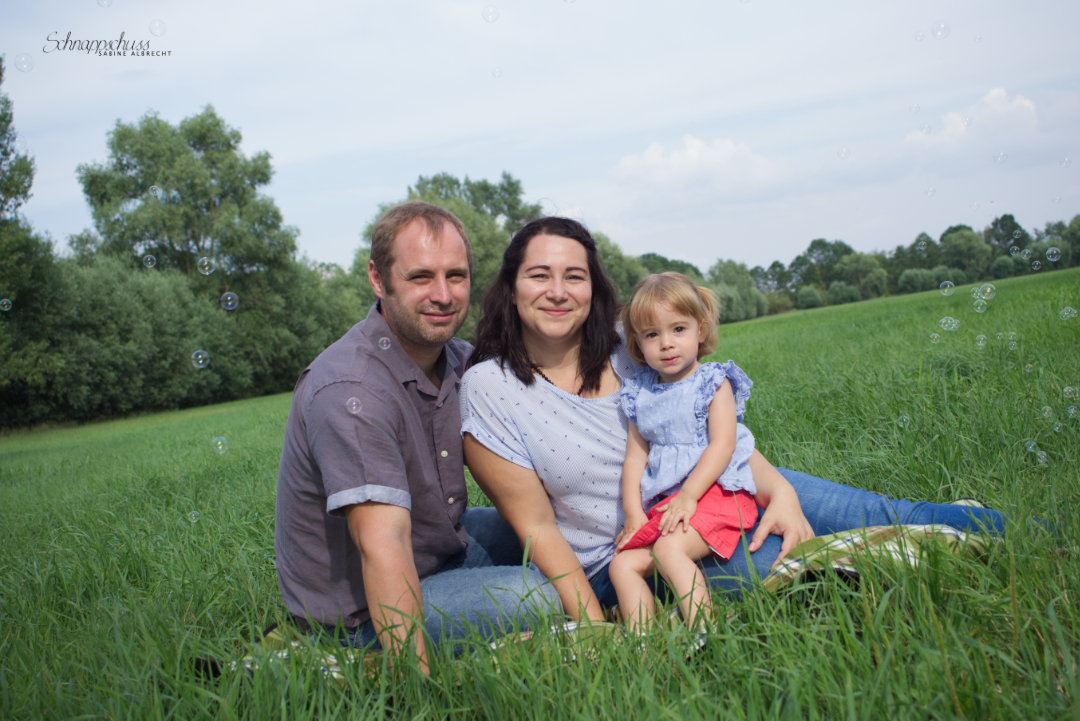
[[680, 328]]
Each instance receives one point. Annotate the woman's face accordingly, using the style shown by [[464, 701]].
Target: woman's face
[[553, 290]]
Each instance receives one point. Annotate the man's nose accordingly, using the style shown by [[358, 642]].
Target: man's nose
[[440, 291]]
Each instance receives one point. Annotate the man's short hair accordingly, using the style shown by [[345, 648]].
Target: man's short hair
[[395, 219]]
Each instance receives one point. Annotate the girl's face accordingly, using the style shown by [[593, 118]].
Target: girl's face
[[670, 344], [553, 290]]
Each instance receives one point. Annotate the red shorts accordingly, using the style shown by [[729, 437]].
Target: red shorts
[[720, 518]]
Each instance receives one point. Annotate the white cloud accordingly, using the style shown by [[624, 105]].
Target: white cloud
[[995, 117]]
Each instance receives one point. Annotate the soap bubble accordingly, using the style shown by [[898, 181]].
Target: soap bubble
[[921, 245], [24, 62], [229, 301], [5, 304], [157, 28], [1013, 345], [977, 38], [496, 72], [987, 291], [1043, 458], [200, 359], [949, 323], [1031, 446], [1036, 265], [914, 107], [966, 122], [1016, 235], [384, 343], [940, 31], [1069, 392], [930, 192], [980, 341], [154, 191], [193, 516], [1059, 427], [220, 445], [1029, 368], [1012, 335], [903, 421], [999, 157], [924, 128], [1067, 312], [980, 306], [1014, 251], [104, 3], [1064, 162], [999, 335], [149, 261], [1071, 413], [1053, 255], [973, 291], [934, 337], [490, 13], [843, 153], [206, 266], [353, 405], [947, 288], [919, 36], [1047, 411], [1056, 199], [1025, 254]]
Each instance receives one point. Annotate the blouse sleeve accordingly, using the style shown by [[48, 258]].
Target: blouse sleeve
[[628, 395], [486, 399], [713, 376]]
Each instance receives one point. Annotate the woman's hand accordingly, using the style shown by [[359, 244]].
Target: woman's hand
[[783, 517], [633, 524], [679, 509]]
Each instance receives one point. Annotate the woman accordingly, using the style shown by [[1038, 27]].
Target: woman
[[545, 439]]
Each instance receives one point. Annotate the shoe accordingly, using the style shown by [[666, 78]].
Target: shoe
[[970, 503]]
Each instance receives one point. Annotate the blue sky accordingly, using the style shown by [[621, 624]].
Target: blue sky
[[699, 130]]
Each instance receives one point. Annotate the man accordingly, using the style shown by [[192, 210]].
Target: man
[[372, 532]]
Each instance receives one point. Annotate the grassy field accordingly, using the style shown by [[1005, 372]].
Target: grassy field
[[109, 589]]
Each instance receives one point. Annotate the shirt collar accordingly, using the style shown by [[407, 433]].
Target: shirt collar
[[402, 367]]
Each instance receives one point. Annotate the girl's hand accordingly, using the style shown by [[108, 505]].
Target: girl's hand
[[678, 510], [633, 525]]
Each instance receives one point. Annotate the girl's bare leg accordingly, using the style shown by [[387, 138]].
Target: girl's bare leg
[[627, 572], [677, 555]]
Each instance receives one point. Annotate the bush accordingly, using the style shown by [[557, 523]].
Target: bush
[[957, 276], [1003, 267], [779, 302], [840, 292], [916, 280], [875, 284], [808, 297]]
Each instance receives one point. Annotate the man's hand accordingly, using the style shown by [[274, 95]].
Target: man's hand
[[383, 534], [783, 517]]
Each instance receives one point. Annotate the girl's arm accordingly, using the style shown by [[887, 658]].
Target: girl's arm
[[637, 457], [520, 498], [714, 461]]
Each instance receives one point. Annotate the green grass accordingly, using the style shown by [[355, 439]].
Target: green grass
[[108, 590]]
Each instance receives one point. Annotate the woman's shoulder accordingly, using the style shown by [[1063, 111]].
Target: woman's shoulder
[[488, 373]]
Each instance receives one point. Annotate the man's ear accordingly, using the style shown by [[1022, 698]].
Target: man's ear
[[375, 280]]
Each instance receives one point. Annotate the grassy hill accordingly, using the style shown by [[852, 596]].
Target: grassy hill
[[108, 587]]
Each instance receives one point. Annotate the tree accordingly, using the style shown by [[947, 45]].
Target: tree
[[840, 292], [966, 250], [1005, 232], [772, 279], [16, 167], [808, 297], [623, 270], [862, 271], [818, 264], [656, 263]]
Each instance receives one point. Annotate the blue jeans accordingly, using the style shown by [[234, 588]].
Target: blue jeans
[[830, 508], [485, 587]]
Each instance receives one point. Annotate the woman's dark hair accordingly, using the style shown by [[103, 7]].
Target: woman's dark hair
[[498, 335]]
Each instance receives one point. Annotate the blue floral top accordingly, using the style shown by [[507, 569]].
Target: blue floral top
[[674, 419]]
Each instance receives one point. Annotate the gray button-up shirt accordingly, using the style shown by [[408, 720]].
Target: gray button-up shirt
[[366, 424]]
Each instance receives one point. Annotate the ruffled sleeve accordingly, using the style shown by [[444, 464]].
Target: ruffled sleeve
[[628, 395], [712, 376]]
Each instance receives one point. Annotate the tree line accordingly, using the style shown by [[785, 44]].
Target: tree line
[[103, 331]]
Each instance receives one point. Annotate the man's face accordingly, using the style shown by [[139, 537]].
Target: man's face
[[426, 297]]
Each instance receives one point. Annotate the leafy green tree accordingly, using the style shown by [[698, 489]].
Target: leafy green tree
[[1002, 267], [840, 292], [807, 297], [727, 274], [16, 168], [623, 270], [965, 249], [864, 272], [915, 280], [773, 279], [818, 264], [655, 263], [1002, 234]]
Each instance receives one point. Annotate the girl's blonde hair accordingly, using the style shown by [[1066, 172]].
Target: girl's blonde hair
[[679, 293]]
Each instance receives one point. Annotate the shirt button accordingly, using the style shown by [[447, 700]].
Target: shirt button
[[444, 454], [450, 499], [439, 405]]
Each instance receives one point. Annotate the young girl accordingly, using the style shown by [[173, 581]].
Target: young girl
[[687, 486]]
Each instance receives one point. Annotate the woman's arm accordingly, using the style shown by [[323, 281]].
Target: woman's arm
[[783, 514], [637, 457], [522, 501]]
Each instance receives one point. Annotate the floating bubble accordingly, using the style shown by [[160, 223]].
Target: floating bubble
[[980, 341], [1014, 250], [919, 36], [980, 306], [973, 291], [105, 3], [1056, 199], [1025, 254], [496, 72], [1043, 458], [1016, 235], [1053, 255], [1071, 413], [934, 338], [1012, 335], [1059, 427], [200, 359], [154, 191], [940, 31], [987, 291], [1047, 411], [1013, 345], [903, 421], [947, 287], [229, 301], [206, 266], [999, 157], [930, 192], [977, 38], [490, 13], [914, 107], [220, 445], [157, 28], [966, 122], [5, 304], [1031, 446], [999, 335], [24, 62], [924, 128], [149, 261], [949, 323], [1064, 162], [1069, 392], [921, 245], [384, 343], [1029, 368], [843, 153], [1036, 265], [353, 405], [193, 516], [1067, 313]]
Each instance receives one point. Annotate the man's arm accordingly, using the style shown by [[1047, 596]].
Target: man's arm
[[383, 533]]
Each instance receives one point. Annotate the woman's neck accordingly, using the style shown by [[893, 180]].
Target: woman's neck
[[557, 356]]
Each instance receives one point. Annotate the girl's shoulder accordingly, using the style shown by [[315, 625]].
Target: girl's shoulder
[[710, 376]]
